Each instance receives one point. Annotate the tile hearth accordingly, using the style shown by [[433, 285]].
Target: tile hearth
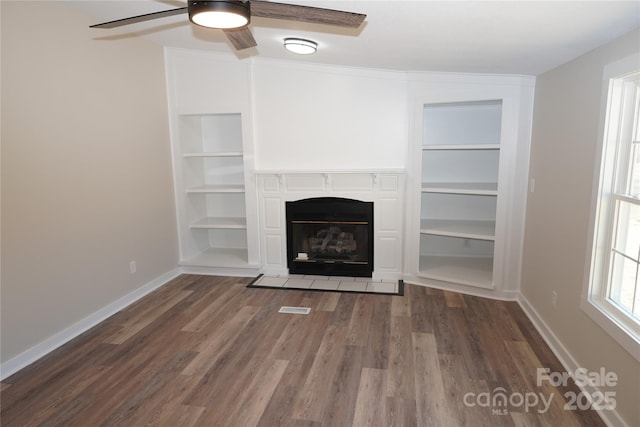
[[330, 283]]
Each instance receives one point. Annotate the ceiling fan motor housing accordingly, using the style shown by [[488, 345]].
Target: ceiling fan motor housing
[[219, 7]]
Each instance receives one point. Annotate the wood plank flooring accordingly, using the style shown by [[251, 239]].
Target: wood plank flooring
[[207, 351]]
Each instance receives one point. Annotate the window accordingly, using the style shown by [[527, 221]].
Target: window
[[613, 295], [625, 219]]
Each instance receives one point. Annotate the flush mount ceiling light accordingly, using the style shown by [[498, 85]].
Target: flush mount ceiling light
[[300, 46], [219, 13]]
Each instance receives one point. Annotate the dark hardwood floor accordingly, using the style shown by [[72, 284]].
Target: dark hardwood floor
[[208, 351]]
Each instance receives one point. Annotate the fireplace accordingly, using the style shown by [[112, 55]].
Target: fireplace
[[330, 236]]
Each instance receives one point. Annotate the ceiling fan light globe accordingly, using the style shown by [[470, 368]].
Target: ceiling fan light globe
[[220, 20], [219, 14]]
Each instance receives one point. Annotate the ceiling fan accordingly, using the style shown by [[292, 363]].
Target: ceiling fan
[[233, 17]]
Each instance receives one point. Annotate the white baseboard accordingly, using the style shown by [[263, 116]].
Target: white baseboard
[[387, 276], [220, 271], [610, 417], [275, 271], [43, 348]]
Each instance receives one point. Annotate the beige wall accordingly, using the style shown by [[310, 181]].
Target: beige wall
[[566, 129], [86, 171]]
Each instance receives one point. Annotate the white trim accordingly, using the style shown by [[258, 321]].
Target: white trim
[[275, 271], [249, 271], [594, 282], [610, 417], [45, 347], [613, 327], [620, 67]]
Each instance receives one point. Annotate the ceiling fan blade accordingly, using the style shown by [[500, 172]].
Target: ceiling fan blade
[[314, 15], [140, 18], [241, 38]]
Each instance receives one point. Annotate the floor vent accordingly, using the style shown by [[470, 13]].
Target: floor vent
[[294, 310]]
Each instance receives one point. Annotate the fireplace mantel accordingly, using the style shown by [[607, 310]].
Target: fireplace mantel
[[385, 188]]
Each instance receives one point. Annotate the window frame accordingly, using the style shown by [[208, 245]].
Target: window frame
[[606, 198]]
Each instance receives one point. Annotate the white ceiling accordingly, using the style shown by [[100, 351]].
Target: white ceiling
[[515, 37]]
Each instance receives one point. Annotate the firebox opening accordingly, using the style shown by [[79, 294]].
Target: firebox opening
[[330, 236]]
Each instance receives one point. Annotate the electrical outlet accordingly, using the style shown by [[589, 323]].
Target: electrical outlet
[[554, 299], [132, 267], [532, 185]]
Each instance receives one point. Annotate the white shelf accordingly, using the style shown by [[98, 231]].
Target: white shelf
[[219, 257], [220, 222], [461, 147], [468, 229], [479, 188], [217, 189], [470, 271], [212, 154]]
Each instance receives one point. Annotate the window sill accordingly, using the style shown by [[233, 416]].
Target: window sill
[[615, 329]]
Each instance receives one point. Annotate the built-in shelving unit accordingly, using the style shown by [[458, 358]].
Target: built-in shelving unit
[[213, 191], [460, 156]]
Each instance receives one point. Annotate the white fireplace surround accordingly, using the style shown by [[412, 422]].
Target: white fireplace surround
[[385, 188]]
